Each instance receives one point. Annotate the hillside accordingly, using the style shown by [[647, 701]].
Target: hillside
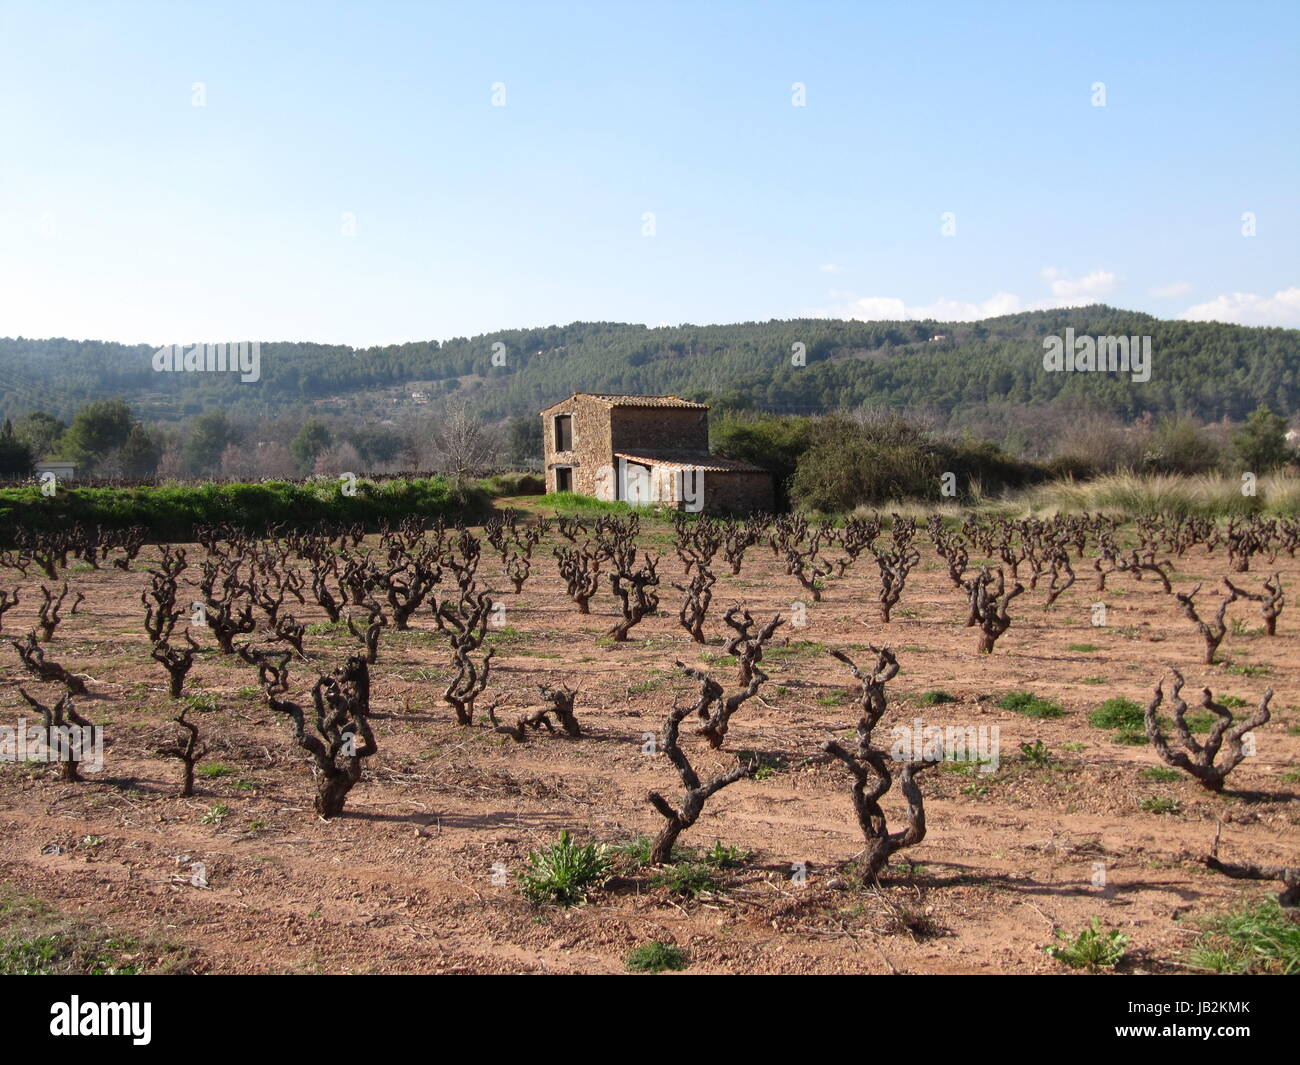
[[1207, 369]]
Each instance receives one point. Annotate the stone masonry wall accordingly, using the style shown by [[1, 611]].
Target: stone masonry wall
[[737, 492], [592, 447], [666, 429]]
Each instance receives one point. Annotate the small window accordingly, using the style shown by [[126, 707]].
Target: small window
[[564, 478], [564, 432]]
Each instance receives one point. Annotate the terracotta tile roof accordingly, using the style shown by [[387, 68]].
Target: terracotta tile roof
[[613, 400], [679, 461], [651, 401]]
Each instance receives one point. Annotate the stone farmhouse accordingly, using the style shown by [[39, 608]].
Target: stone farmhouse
[[643, 450]]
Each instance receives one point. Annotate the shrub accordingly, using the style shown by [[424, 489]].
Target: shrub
[[985, 464], [1260, 444], [171, 512], [1179, 445], [851, 462]]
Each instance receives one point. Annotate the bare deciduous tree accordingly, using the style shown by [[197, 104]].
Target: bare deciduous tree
[[460, 444], [343, 736], [695, 605], [176, 660], [36, 663], [50, 610]]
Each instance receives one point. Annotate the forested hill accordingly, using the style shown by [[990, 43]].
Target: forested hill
[[1207, 369]]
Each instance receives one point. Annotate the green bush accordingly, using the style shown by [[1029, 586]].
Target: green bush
[[850, 463], [1260, 444], [171, 511], [984, 463]]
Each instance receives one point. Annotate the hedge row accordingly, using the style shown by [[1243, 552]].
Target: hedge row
[[171, 512]]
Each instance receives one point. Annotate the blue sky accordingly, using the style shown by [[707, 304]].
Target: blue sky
[[128, 213]]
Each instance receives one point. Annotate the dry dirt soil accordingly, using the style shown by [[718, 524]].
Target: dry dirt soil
[[418, 876]]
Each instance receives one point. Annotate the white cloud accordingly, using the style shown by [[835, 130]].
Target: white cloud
[[891, 308], [1247, 308], [1066, 292], [1175, 290], [1090, 286], [830, 268]]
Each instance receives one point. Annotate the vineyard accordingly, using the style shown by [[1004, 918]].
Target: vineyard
[[594, 743]]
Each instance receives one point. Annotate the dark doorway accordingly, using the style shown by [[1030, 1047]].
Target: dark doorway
[[564, 478]]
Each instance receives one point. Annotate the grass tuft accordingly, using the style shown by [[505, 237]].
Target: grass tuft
[[565, 872], [656, 957], [1030, 705]]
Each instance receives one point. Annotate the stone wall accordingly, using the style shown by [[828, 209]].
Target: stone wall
[[671, 430], [592, 447], [737, 492]]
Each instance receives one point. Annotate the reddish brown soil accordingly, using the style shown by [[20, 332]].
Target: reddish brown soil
[[404, 881]]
